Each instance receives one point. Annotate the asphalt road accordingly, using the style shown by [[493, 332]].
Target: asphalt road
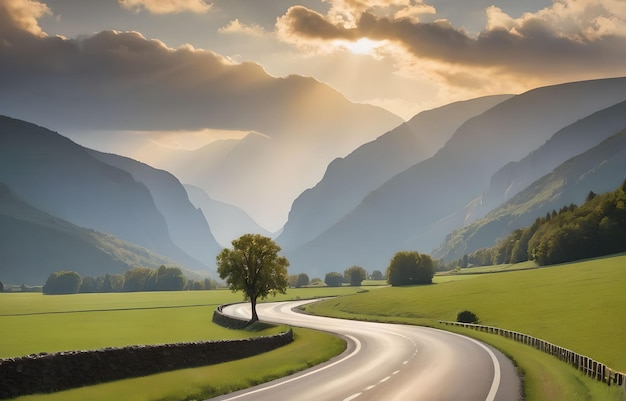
[[387, 362]]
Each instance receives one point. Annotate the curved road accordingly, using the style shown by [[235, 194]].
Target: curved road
[[386, 362]]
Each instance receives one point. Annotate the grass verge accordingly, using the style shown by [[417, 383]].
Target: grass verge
[[309, 348], [545, 377]]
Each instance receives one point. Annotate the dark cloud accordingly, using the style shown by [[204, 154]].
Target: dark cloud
[[300, 21], [530, 47], [121, 80]]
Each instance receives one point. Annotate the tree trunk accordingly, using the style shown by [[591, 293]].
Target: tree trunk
[[255, 317]]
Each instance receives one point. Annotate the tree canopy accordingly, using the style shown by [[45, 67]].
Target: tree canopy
[[378, 275], [355, 275], [596, 228], [303, 280], [333, 279], [410, 267], [62, 282], [254, 266]]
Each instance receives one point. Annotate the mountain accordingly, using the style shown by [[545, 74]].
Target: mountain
[[122, 82], [266, 170], [35, 244], [61, 178], [566, 143], [599, 169], [416, 208], [348, 180], [186, 224], [227, 222]]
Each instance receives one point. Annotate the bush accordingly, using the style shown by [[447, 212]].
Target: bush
[[409, 268], [466, 317], [333, 279], [355, 275], [62, 283]]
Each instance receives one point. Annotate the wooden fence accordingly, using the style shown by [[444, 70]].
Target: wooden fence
[[588, 366]]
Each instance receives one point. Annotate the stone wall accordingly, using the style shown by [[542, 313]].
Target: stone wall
[[230, 322], [44, 373]]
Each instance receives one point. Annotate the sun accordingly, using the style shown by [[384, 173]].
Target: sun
[[363, 46]]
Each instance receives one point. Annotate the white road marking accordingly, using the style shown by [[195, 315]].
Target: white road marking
[[356, 350], [385, 379], [368, 388], [493, 390], [396, 372], [352, 397]]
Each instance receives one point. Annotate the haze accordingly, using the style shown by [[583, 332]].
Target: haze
[[136, 77]]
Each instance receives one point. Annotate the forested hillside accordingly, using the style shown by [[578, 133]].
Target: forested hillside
[[596, 228]]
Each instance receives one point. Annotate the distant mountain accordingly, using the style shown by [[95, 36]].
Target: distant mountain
[[227, 222], [599, 169], [266, 170], [348, 180], [59, 177], [566, 143], [418, 207], [186, 224], [121, 81], [34, 244]]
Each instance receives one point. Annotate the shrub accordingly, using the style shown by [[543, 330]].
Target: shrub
[[409, 268], [466, 317], [333, 279], [62, 283]]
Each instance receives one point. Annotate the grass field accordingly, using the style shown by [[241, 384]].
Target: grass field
[[32, 322], [309, 348], [578, 306]]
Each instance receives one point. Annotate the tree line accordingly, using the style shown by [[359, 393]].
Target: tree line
[[596, 228], [133, 280], [405, 268], [254, 266]]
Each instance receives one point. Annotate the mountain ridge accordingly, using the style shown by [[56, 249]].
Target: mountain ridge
[[56, 175], [348, 180], [35, 244], [570, 182], [416, 208]]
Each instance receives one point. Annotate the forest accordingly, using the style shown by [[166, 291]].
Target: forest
[[596, 228]]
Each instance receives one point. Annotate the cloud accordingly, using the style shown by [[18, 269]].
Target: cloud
[[235, 26], [18, 17], [166, 6], [569, 39], [123, 81]]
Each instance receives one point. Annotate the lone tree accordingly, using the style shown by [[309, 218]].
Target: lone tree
[[355, 275], [254, 267], [406, 268]]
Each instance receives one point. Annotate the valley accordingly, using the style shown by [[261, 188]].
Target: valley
[[369, 174]]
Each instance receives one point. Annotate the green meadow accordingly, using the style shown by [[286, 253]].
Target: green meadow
[[33, 323], [579, 306], [309, 349]]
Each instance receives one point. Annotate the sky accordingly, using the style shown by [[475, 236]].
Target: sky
[[403, 55], [143, 77]]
